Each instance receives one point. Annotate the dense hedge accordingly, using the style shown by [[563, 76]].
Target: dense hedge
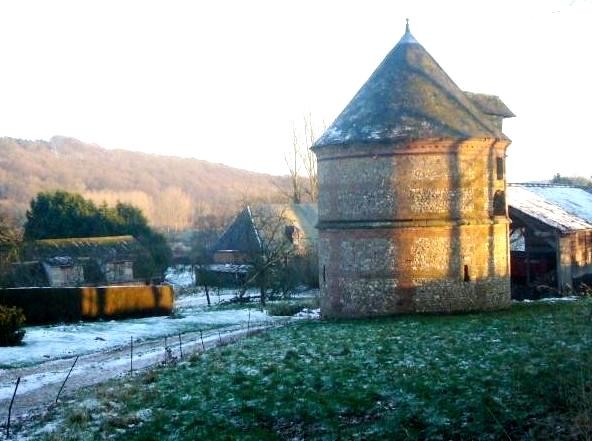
[[54, 305], [12, 320]]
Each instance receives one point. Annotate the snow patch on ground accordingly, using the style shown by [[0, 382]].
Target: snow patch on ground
[[144, 414], [180, 276], [199, 299], [550, 300], [117, 364], [43, 343], [310, 314]]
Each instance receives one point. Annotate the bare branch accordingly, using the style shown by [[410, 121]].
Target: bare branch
[[291, 160], [303, 155]]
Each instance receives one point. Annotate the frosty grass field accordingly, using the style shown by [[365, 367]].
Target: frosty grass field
[[518, 374]]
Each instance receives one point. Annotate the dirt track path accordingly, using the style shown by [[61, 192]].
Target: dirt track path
[[40, 383]]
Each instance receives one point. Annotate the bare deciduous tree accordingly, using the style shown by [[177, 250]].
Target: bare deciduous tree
[[270, 263], [175, 210], [292, 159], [309, 159], [302, 157], [137, 198]]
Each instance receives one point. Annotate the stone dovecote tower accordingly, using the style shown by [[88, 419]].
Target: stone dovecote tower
[[412, 210]]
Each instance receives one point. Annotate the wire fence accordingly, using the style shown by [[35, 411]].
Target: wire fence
[[175, 348]]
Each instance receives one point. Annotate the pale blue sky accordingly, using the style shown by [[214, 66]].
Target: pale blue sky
[[224, 81]]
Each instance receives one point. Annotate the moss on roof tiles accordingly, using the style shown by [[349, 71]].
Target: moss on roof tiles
[[490, 104], [409, 96], [86, 241], [251, 225], [109, 247]]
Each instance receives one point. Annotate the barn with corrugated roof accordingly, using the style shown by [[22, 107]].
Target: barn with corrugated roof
[[550, 238]]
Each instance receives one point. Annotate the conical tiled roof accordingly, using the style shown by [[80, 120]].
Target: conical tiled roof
[[409, 96]]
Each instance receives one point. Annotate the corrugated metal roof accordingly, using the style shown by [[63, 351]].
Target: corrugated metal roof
[[409, 96], [563, 208]]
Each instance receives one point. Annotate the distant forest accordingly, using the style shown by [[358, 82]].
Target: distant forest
[[576, 181], [174, 193]]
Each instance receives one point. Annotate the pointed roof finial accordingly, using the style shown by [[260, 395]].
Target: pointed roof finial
[[407, 37]]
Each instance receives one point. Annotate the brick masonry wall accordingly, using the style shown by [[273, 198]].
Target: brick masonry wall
[[411, 230]]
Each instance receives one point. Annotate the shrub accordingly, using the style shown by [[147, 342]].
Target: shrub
[[12, 320], [290, 308]]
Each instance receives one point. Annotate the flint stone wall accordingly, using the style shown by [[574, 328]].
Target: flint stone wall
[[411, 229]]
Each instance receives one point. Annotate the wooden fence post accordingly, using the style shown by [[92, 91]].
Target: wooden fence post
[[18, 381], [131, 355], [67, 376]]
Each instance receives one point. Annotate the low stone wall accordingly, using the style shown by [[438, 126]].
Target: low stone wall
[[54, 305]]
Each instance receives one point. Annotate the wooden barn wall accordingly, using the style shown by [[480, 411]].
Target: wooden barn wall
[[575, 257]]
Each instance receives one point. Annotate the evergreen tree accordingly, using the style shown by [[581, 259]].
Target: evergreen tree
[[59, 214]]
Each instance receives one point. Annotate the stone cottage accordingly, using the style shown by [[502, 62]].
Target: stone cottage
[[412, 210], [87, 261], [245, 236]]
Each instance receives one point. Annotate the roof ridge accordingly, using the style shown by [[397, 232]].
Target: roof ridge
[[120, 237], [543, 185]]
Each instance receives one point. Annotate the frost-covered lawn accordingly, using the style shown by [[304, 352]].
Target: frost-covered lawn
[[42, 343], [519, 374]]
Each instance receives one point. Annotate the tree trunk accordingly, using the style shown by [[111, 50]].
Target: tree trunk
[[262, 291], [207, 294]]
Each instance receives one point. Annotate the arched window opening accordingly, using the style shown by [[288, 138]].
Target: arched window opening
[[499, 203]]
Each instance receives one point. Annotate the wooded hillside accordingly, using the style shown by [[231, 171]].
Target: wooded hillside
[[173, 192]]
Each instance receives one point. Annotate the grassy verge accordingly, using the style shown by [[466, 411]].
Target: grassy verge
[[519, 374]]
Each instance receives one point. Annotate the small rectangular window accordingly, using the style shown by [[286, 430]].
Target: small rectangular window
[[500, 168], [467, 277]]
